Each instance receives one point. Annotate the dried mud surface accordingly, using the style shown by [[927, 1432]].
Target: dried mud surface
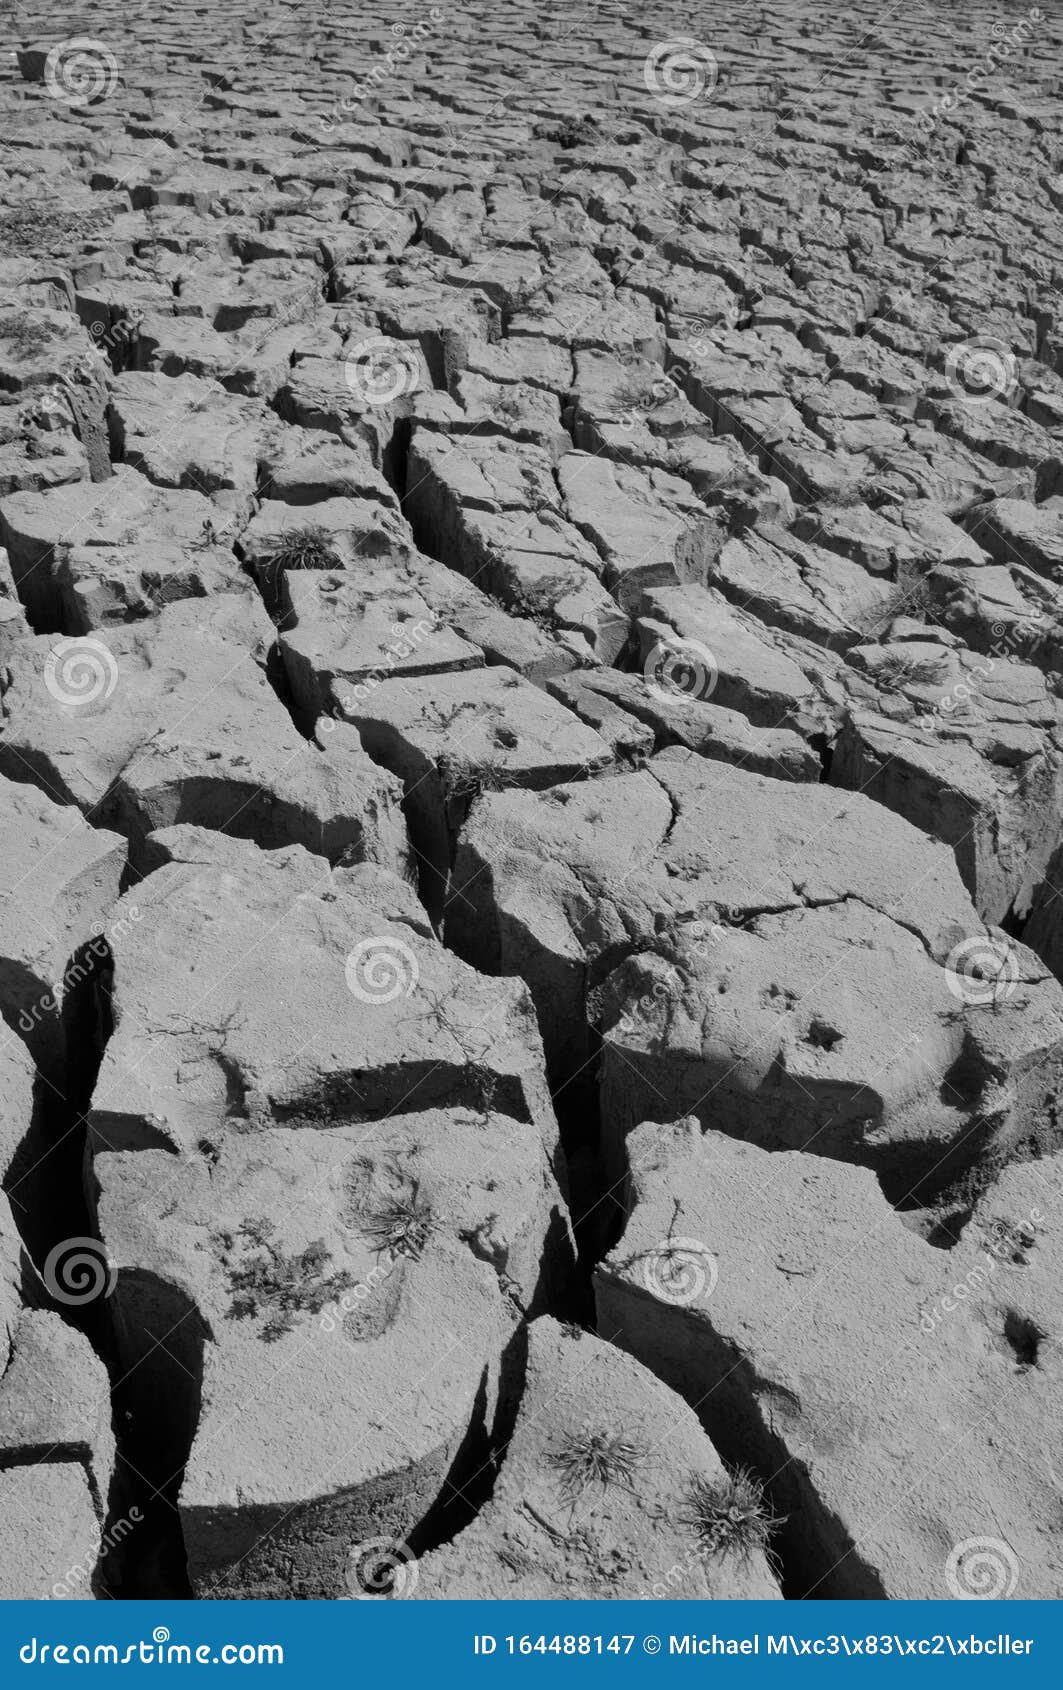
[[531, 801]]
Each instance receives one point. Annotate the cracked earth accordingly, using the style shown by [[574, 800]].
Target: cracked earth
[[531, 801]]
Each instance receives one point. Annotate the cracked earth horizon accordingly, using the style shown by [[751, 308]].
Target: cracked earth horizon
[[531, 801]]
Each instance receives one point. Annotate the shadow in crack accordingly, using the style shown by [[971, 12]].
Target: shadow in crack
[[158, 1338]]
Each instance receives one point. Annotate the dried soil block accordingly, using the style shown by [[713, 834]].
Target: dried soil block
[[599, 1494], [59, 879], [970, 749], [367, 1281], [174, 720], [88, 555], [56, 1461], [258, 989], [448, 737], [776, 958], [741, 1280]]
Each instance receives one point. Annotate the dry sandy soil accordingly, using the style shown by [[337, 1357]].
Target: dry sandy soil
[[531, 800]]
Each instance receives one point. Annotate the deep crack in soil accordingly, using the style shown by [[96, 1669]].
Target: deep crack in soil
[[531, 778]]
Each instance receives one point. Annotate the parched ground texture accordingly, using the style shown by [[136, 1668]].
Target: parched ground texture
[[531, 800]]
